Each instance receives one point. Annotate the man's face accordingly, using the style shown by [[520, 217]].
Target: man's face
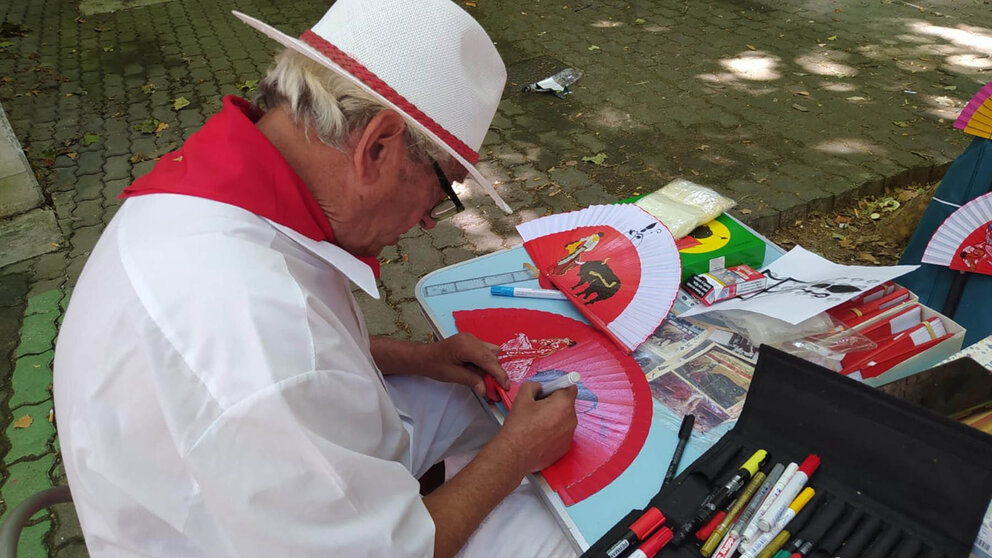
[[408, 200]]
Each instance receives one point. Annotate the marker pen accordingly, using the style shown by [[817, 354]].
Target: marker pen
[[810, 536], [752, 528], [863, 535], [746, 495], [797, 523], [654, 544], [789, 492], [730, 542], [638, 531], [707, 529], [685, 430], [561, 382], [721, 495], [524, 292], [766, 538]]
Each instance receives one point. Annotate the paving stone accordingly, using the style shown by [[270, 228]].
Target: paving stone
[[31, 380], [380, 317], [67, 532], [25, 478], [32, 441], [37, 334]]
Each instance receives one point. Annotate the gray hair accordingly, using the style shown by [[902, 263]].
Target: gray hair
[[330, 105]]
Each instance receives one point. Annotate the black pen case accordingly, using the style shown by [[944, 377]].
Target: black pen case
[[919, 473]]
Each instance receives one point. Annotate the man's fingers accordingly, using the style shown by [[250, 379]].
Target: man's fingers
[[477, 353], [529, 390], [571, 392]]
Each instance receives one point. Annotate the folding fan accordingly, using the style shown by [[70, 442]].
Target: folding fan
[[976, 118], [616, 263], [613, 403], [964, 240]]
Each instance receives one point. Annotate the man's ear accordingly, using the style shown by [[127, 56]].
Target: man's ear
[[380, 147]]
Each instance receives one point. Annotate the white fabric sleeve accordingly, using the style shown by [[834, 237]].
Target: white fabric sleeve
[[291, 471]]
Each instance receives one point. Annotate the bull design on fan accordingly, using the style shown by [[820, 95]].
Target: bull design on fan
[[601, 282]]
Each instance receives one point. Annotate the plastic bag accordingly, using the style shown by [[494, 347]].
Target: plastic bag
[[683, 205]]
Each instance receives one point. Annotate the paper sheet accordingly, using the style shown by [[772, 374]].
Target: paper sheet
[[802, 284]]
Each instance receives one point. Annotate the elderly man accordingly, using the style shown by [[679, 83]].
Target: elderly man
[[217, 391]]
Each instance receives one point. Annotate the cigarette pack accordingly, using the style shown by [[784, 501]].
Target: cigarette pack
[[725, 283]]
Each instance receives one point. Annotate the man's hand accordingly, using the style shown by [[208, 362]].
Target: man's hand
[[464, 359], [539, 432], [460, 359], [534, 435]]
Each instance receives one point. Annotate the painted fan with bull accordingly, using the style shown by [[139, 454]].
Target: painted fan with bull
[[613, 404], [616, 263]]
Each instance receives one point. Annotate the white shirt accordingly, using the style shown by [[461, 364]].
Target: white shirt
[[216, 396]]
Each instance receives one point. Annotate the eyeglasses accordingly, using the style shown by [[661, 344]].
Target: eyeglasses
[[452, 205]]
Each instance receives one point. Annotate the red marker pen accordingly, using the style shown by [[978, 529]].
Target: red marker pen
[[655, 543], [638, 531]]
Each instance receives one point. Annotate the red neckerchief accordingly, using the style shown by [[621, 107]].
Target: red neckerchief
[[229, 160]]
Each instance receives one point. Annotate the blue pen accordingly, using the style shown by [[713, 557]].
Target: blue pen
[[503, 290]]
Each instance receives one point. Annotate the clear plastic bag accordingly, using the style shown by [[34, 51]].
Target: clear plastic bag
[[683, 205]]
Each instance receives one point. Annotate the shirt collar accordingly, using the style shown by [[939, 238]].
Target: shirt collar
[[229, 160]]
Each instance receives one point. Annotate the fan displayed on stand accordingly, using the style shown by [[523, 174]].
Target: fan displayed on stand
[[976, 118], [964, 240], [616, 263], [613, 403]]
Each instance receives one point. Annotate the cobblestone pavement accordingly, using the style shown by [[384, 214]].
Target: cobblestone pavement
[[787, 106]]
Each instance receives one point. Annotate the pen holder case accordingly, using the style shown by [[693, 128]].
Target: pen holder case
[[914, 470]]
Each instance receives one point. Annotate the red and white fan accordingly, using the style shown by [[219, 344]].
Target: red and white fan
[[616, 263], [613, 403], [964, 240]]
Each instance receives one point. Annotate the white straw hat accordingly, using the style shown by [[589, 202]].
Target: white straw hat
[[427, 59]]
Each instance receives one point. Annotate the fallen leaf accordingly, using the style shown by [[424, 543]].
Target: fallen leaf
[[951, 87], [800, 108], [72, 155], [888, 204], [108, 49], [470, 4], [80, 19], [89, 138], [703, 147], [146, 126], [161, 127], [865, 256], [841, 219], [148, 88], [596, 159], [832, 38], [856, 98], [875, 216], [571, 163], [137, 158], [51, 415], [640, 21], [745, 211], [900, 123], [23, 422], [593, 47], [180, 103], [839, 236], [803, 93]]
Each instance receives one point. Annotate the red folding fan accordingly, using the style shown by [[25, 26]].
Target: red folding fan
[[976, 118], [964, 240], [616, 263], [613, 403]]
